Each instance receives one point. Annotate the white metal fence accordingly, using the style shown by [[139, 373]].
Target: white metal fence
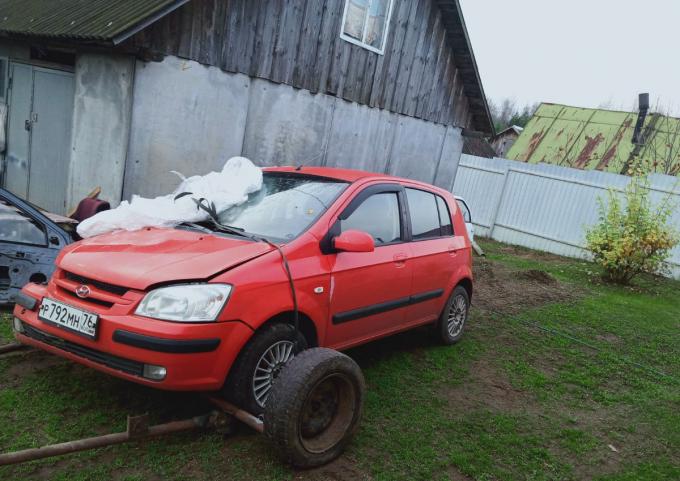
[[545, 207]]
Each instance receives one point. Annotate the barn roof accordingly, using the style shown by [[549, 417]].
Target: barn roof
[[598, 139], [96, 21]]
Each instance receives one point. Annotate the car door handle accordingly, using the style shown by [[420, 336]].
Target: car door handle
[[453, 250], [400, 259]]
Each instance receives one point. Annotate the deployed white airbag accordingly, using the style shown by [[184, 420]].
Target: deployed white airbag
[[239, 178]]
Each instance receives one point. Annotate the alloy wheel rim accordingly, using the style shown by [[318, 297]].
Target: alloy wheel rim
[[268, 368], [457, 315]]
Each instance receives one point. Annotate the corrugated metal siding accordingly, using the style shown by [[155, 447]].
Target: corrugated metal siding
[[593, 139], [544, 207], [78, 19]]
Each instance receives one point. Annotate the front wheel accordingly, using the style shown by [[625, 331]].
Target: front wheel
[[315, 407], [259, 364], [453, 318]]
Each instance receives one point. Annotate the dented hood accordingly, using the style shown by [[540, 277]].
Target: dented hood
[[146, 257]]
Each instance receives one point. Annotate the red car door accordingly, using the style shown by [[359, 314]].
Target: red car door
[[435, 254], [370, 292]]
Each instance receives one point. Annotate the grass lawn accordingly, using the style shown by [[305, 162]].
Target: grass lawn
[[559, 377]]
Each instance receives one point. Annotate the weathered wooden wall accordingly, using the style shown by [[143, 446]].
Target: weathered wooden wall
[[297, 42]]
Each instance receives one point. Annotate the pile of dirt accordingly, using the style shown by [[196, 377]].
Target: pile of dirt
[[539, 276], [501, 289]]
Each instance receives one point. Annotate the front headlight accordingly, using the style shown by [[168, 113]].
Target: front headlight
[[185, 303]]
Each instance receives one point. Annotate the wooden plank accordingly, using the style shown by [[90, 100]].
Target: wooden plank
[[330, 31], [426, 46], [440, 85], [369, 74], [221, 9], [391, 68], [265, 55], [286, 41], [184, 48], [453, 94], [171, 34], [196, 30], [207, 55], [429, 78], [308, 45], [408, 55], [232, 24], [339, 63], [356, 69], [244, 52]]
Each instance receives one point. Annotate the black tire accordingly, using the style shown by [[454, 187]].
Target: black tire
[[240, 385], [458, 305], [315, 407]]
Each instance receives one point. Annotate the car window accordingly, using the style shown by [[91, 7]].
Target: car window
[[15, 226], [444, 217], [378, 216], [465, 211], [284, 207], [424, 214]]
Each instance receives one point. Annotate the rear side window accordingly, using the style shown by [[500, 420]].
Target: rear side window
[[378, 216], [444, 217], [465, 211], [425, 222]]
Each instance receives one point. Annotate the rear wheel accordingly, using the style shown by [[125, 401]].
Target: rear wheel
[[454, 316], [315, 407], [259, 365]]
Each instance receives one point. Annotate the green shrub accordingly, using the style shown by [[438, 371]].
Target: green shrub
[[633, 236]]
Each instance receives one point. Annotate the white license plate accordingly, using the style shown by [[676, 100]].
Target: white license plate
[[69, 317]]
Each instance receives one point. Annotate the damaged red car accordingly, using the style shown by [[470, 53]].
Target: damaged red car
[[346, 256]]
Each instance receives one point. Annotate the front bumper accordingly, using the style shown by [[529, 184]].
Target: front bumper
[[197, 357]]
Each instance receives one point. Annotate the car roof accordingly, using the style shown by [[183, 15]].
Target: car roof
[[345, 175]]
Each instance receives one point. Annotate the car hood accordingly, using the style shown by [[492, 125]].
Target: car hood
[[146, 257]]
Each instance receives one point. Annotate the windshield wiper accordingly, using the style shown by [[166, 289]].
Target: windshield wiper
[[211, 210], [196, 226]]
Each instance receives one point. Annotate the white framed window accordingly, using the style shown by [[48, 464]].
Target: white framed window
[[366, 23]]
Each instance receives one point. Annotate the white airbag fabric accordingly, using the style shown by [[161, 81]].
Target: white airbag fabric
[[239, 178]]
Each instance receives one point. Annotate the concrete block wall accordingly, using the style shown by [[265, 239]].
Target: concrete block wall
[[191, 118]]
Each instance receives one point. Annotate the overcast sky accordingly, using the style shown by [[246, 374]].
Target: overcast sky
[[588, 53]]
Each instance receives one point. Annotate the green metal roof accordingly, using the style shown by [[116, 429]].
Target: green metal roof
[[98, 21], [594, 139]]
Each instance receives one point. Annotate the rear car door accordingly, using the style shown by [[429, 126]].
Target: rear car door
[[29, 243], [434, 249], [370, 291]]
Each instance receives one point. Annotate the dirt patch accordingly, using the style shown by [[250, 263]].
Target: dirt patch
[[504, 290], [455, 475], [487, 388], [524, 253], [342, 469], [24, 363]]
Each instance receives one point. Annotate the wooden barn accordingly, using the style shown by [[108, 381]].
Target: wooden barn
[[117, 94]]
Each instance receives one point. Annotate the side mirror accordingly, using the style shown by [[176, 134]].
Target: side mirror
[[354, 241]]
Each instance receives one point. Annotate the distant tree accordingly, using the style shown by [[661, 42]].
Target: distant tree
[[506, 114]]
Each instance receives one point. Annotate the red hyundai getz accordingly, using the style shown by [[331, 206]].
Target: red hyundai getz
[[204, 308]]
